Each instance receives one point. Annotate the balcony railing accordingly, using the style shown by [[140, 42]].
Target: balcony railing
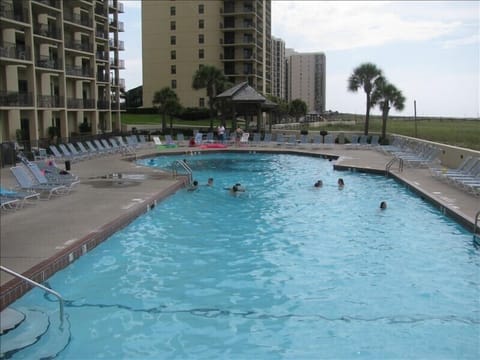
[[78, 71], [15, 98], [121, 9], [14, 51], [50, 101], [47, 31], [121, 26], [49, 63], [52, 3], [17, 15], [73, 103], [119, 63], [79, 45], [78, 19], [103, 104], [121, 45], [103, 77], [102, 55], [100, 10]]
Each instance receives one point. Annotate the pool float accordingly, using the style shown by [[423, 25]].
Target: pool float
[[213, 146]]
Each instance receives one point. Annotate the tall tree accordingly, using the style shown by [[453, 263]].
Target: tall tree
[[297, 108], [166, 100], [210, 78], [364, 76], [386, 96]]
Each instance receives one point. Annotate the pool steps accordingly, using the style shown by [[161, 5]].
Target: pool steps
[[28, 333]]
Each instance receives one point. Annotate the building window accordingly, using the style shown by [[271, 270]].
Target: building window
[[201, 24], [173, 40], [174, 84], [201, 102], [173, 25], [173, 69], [173, 55], [172, 10], [201, 39], [200, 9], [201, 54]]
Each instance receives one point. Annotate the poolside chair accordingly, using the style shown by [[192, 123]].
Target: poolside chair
[[24, 197], [374, 141], [198, 138], [158, 143], [144, 143], [52, 176], [303, 140], [244, 138], [180, 139], [56, 153], [267, 139], [93, 149], [256, 139], [353, 142], [328, 141], [7, 203], [280, 139], [363, 141], [132, 141], [76, 153], [169, 141], [26, 182], [84, 150], [102, 149]]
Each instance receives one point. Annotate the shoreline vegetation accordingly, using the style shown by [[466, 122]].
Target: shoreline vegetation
[[462, 132]]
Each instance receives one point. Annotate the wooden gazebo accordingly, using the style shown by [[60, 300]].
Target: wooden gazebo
[[242, 99]]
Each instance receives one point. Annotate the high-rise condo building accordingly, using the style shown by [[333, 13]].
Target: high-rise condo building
[[178, 37], [59, 68], [306, 79], [278, 68]]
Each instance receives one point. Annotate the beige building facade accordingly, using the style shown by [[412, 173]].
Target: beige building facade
[[306, 77], [178, 37], [59, 68]]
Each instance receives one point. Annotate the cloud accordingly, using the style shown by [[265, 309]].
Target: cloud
[[468, 40], [326, 26]]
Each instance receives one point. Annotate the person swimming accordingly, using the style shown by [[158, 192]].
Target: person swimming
[[383, 205], [194, 186], [318, 183], [340, 183]]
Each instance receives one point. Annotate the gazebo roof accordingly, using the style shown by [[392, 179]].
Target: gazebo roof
[[242, 93]]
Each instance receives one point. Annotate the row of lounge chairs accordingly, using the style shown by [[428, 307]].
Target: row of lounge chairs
[[466, 176], [413, 153], [99, 147]]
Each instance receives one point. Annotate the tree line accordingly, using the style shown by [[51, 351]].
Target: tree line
[[379, 92]]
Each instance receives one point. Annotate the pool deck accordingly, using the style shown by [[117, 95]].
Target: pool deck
[[44, 237]]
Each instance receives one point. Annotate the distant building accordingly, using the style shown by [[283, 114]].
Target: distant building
[[178, 37], [278, 68], [134, 97], [59, 67], [306, 79]]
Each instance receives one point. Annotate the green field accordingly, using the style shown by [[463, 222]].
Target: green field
[[457, 132]]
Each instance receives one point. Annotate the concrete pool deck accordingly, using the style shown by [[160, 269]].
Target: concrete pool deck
[[46, 236]]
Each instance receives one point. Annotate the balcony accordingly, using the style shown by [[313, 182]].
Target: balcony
[[119, 63], [50, 101], [79, 45], [17, 15], [100, 10], [51, 3], [103, 104], [103, 77], [121, 8], [102, 55], [14, 51], [78, 71], [15, 98], [49, 63], [74, 103], [78, 19], [47, 31]]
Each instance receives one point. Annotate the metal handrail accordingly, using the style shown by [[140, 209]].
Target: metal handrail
[[50, 291], [185, 167], [475, 224], [390, 164]]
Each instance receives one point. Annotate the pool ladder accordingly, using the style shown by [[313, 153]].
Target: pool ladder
[[34, 283], [390, 164], [182, 164], [476, 236]]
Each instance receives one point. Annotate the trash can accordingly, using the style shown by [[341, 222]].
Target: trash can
[[67, 165]]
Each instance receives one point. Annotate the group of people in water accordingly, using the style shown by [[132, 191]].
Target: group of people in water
[[341, 185], [234, 190]]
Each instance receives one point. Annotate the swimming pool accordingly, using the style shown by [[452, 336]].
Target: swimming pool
[[283, 270]]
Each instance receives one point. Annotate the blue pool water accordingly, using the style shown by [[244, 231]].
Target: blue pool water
[[283, 271]]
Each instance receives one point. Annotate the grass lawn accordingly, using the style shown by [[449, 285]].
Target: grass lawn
[[457, 132]]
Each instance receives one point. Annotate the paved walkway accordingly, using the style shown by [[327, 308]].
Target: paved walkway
[[38, 232]]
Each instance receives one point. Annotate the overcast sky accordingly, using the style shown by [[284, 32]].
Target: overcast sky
[[428, 50]]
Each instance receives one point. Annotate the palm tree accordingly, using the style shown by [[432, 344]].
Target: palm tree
[[386, 96], [212, 79], [365, 76], [166, 100]]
